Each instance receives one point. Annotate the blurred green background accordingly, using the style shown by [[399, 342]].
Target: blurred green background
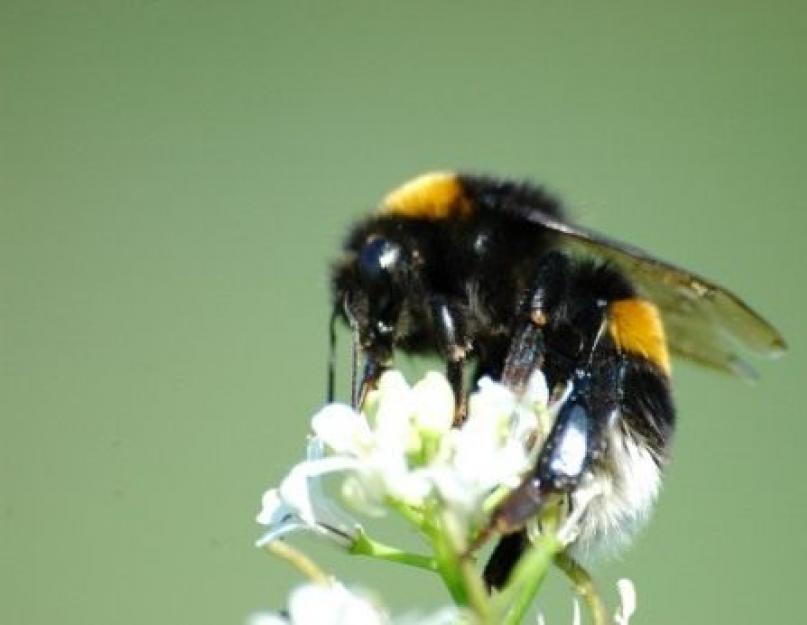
[[175, 177]]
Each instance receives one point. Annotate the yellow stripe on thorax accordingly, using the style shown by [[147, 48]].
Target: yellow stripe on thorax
[[437, 195], [636, 328]]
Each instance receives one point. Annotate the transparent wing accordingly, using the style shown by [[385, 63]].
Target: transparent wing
[[705, 323]]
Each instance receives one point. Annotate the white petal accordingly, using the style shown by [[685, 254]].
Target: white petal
[[272, 508], [344, 430], [492, 399], [296, 491], [267, 618], [362, 498], [627, 601], [327, 511], [410, 487], [333, 604], [302, 504], [537, 392], [433, 402], [451, 488], [476, 448], [393, 417], [387, 473], [315, 449], [392, 385], [279, 531]]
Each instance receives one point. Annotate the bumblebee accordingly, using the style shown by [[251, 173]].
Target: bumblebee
[[494, 278]]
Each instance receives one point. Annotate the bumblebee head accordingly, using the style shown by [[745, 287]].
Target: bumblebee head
[[378, 273], [369, 289], [373, 287]]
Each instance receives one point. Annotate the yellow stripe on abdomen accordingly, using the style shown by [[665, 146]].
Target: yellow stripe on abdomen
[[636, 328]]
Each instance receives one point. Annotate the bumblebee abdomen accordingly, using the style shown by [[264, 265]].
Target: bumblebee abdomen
[[625, 485], [636, 327]]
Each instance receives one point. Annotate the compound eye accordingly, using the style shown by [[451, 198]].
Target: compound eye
[[378, 261]]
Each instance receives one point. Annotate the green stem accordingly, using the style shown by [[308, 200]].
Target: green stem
[[366, 546], [298, 560], [477, 593], [448, 566], [584, 586], [459, 573], [415, 517], [445, 561], [514, 601]]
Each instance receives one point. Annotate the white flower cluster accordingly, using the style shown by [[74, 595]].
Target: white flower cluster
[[401, 450], [333, 604], [401, 455]]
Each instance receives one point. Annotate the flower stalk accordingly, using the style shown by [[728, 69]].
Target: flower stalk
[[299, 561], [366, 546], [584, 586]]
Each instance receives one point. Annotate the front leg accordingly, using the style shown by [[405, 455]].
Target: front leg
[[454, 346]]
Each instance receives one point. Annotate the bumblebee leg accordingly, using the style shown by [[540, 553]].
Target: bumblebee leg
[[574, 442], [577, 439], [525, 356], [503, 558], [454, 350], [526, 350], [377, 359], [373, 369]]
